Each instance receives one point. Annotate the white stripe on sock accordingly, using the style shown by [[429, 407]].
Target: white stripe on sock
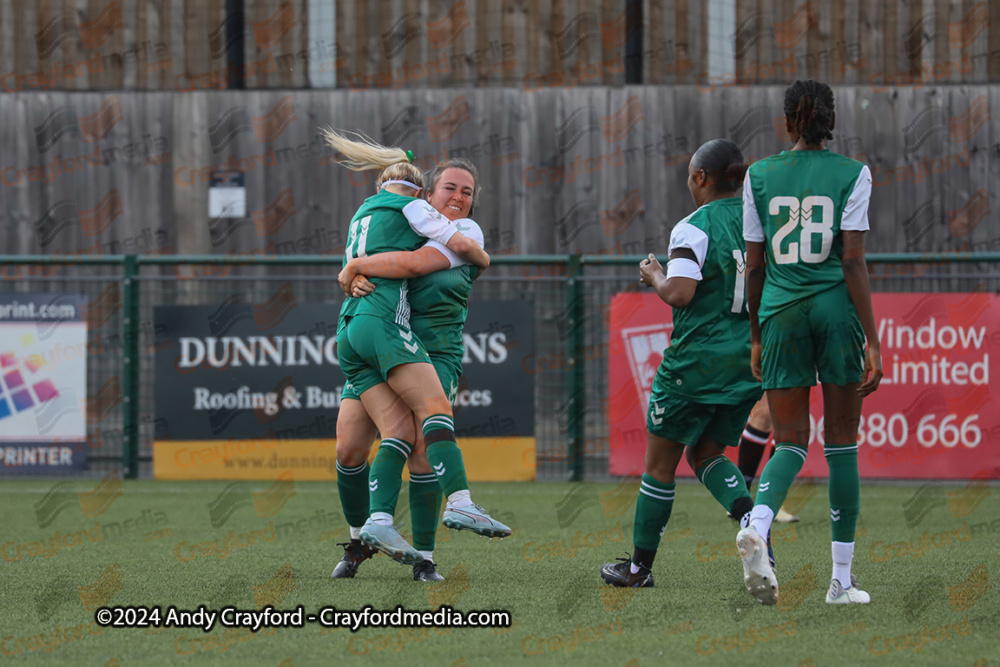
[[653, 495], [754, 438], [402, 443], [401, 450], [440, 423], [833, 451], [711, 465], [797, 450]]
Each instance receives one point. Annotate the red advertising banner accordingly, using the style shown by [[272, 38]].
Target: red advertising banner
[[935, 415]]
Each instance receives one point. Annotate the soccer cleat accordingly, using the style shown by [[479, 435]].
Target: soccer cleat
[[388, 540], [785, 517], [355, 554], [425, 572], [476, 519], [840, 595], [758, 577], [620, 574]]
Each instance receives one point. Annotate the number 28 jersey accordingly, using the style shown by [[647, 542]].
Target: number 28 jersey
[[797, 203]]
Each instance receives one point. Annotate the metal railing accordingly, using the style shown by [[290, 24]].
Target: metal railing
[[570, 270]]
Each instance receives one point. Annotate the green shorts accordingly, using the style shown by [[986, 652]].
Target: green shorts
[[446, 348], [447, 372], [686, 422], [820, 335], [369, 347], [348, 393]]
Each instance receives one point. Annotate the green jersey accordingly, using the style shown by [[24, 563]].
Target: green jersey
[[389, 222], [796, 203], [708, 360], [440, 300]]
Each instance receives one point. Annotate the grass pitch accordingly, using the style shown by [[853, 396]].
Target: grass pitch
[[927, 554]]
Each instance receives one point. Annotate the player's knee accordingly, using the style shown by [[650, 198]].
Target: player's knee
[[350, 454], [693, 459], [661, 469], [417, 463], [438, 405], [660, 472], [761, 421], [401, 431]]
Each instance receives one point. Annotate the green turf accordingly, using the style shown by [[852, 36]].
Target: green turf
[[546, 575]]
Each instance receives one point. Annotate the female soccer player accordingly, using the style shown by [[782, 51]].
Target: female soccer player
[[806, 211], [387, 364], [703, 389], [439, 305]]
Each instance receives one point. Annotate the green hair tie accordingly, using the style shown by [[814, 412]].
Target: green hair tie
[[409, 156]]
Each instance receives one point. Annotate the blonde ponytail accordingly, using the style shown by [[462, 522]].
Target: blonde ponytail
[[363, 154]]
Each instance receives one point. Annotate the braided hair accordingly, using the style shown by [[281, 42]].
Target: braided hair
[[809, 106], [723, 162]]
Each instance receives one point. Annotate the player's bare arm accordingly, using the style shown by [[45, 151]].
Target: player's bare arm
[[468, 250], [400, 264], [676, 291], [756, 271], [856, 276]]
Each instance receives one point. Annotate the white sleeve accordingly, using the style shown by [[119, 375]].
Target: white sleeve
[[683, 268], [686, 235], [426, 221], [467, 227], [855, 218], [752, 229]]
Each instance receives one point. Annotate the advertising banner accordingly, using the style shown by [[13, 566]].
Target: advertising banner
[[933, 417], [43, 383], [250, 391]]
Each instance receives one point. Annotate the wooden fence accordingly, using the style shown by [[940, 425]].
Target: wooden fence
[[545, 44], [589, 170]]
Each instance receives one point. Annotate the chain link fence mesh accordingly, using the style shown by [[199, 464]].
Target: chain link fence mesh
[[546, 285]]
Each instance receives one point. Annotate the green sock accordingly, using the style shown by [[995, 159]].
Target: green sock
[[778, 475], [352, 484], [652, 512], [386, 476], [724, 480], [845, 490], [425, 508], [443, 453]]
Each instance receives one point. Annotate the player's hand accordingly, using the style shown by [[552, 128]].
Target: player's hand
[[346, 278], [755, 361], [361, 286], [872, 375], [649, 269]]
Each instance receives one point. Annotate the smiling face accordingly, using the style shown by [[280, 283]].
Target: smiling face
[[453, 192]]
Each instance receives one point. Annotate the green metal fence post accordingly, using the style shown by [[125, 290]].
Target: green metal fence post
[[577, 402], [130, 368]]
